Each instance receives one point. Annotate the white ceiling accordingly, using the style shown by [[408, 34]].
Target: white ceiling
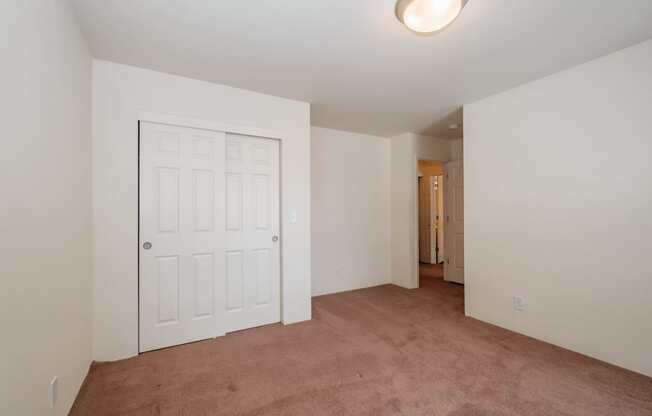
[[361, 70]]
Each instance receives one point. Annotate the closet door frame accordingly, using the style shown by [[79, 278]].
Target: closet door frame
[[192, 123]]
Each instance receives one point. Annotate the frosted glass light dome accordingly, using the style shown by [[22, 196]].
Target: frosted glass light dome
[[428, 16]]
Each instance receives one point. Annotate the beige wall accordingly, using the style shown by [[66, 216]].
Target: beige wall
[[350, 205], [573, 241], [120, 94], [45, 226]]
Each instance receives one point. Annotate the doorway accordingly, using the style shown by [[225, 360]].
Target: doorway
[[209, 222], [440, 220], [430, 186]]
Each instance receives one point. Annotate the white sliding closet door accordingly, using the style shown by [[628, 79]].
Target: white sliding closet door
[[181, 234], [252, 252]]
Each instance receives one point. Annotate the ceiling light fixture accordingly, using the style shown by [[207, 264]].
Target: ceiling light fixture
[[428, 16]]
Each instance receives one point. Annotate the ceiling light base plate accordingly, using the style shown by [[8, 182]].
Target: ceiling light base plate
[[401, 9]]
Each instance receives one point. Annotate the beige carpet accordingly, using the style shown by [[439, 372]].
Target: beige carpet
[[378, 351]]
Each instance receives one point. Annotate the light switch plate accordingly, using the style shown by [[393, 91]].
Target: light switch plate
[[293, 216]]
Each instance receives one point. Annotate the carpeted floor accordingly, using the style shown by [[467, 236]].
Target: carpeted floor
[[431, 271], [378, 351]]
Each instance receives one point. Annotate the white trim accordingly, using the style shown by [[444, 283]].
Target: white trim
[[208, 125]]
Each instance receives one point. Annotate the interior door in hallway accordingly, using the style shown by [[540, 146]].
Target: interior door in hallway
[[454, 226], [425, 238], [439, 219], [181, 234], [252, 252]]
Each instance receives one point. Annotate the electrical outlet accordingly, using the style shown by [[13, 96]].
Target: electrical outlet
[[54, 391], [519, 303]]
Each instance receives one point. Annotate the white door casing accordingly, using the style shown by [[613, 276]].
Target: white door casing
[[201, 277], [454, 224], [252, 252]]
